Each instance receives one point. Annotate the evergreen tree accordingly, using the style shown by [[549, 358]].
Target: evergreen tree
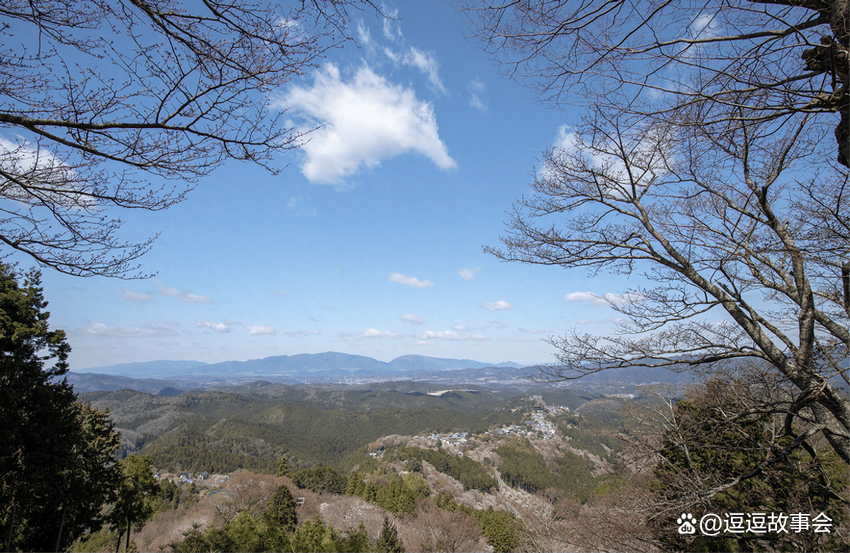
[[388, 541], [138, 483], [351, 484], [314, 536], [281, 509], [55, 455], [282, 467]]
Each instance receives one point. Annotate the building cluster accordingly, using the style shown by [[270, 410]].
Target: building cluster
[[538, 426]]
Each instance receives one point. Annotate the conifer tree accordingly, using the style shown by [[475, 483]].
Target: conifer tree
[[281, 509], [282, 467], [56, 469], [388, 541]]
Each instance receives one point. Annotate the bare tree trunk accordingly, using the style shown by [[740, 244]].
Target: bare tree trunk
[[11, 525], [61, 525]]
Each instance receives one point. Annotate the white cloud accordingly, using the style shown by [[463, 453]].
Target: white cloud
[[500, 305], [534, 331], [364, 37], [410, 281], [461, 328], [375, 333], [135, 296], [217, 327], [299, 333], [42, 167], [498, 324], [648, 155], [705, 26], [155, 331], [282, 293], [476, 90], [581, 296], [258, 330], [423, 61], [583, 321], [392, 26], [362, 122], [468, 274], [412, 319], [450, 335], [607, 300], [184, 295]]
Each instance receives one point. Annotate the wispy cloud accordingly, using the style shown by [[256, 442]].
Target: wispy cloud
[[260, 330], [184, 295], [468, 274], [412, 319], [216, 327], [476, 91], [383, 334], [500, 305], [534, 331], [461, 328], [607, 300], [299, 333], [137, 297], [392, 25], [364, 37], [450, 335], [410, 281], [498, 324], [423, 61], [363, 121], [153, 331], [280, 293]]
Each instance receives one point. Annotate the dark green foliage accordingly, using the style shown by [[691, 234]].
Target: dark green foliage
[[466, 471], [195, 459], [397, 496], [282, 467], [388, 541], [281, 509], [244, 533], [357, 541], [253, 431], [525, 468], [131, 506], [502, 529], [56, 469], [102, 540], [249, 535], [590, 434], [320, 479], [718, 451]]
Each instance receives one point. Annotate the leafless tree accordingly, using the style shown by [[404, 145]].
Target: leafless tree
[[125, 104], [723, 225], [756, 59]]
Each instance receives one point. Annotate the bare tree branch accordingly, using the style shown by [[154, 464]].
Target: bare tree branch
[[127, 104]]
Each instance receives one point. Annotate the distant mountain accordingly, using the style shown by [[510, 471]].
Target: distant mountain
[[310, 366], [423, 363], [93, 382], [148, 368]]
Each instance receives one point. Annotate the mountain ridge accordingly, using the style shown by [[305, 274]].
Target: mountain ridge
[[330, 363]]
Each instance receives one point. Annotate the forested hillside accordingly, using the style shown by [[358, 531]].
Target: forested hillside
[[224, 431]]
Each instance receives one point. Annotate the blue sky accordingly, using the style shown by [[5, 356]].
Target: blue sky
[[370, 242]]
